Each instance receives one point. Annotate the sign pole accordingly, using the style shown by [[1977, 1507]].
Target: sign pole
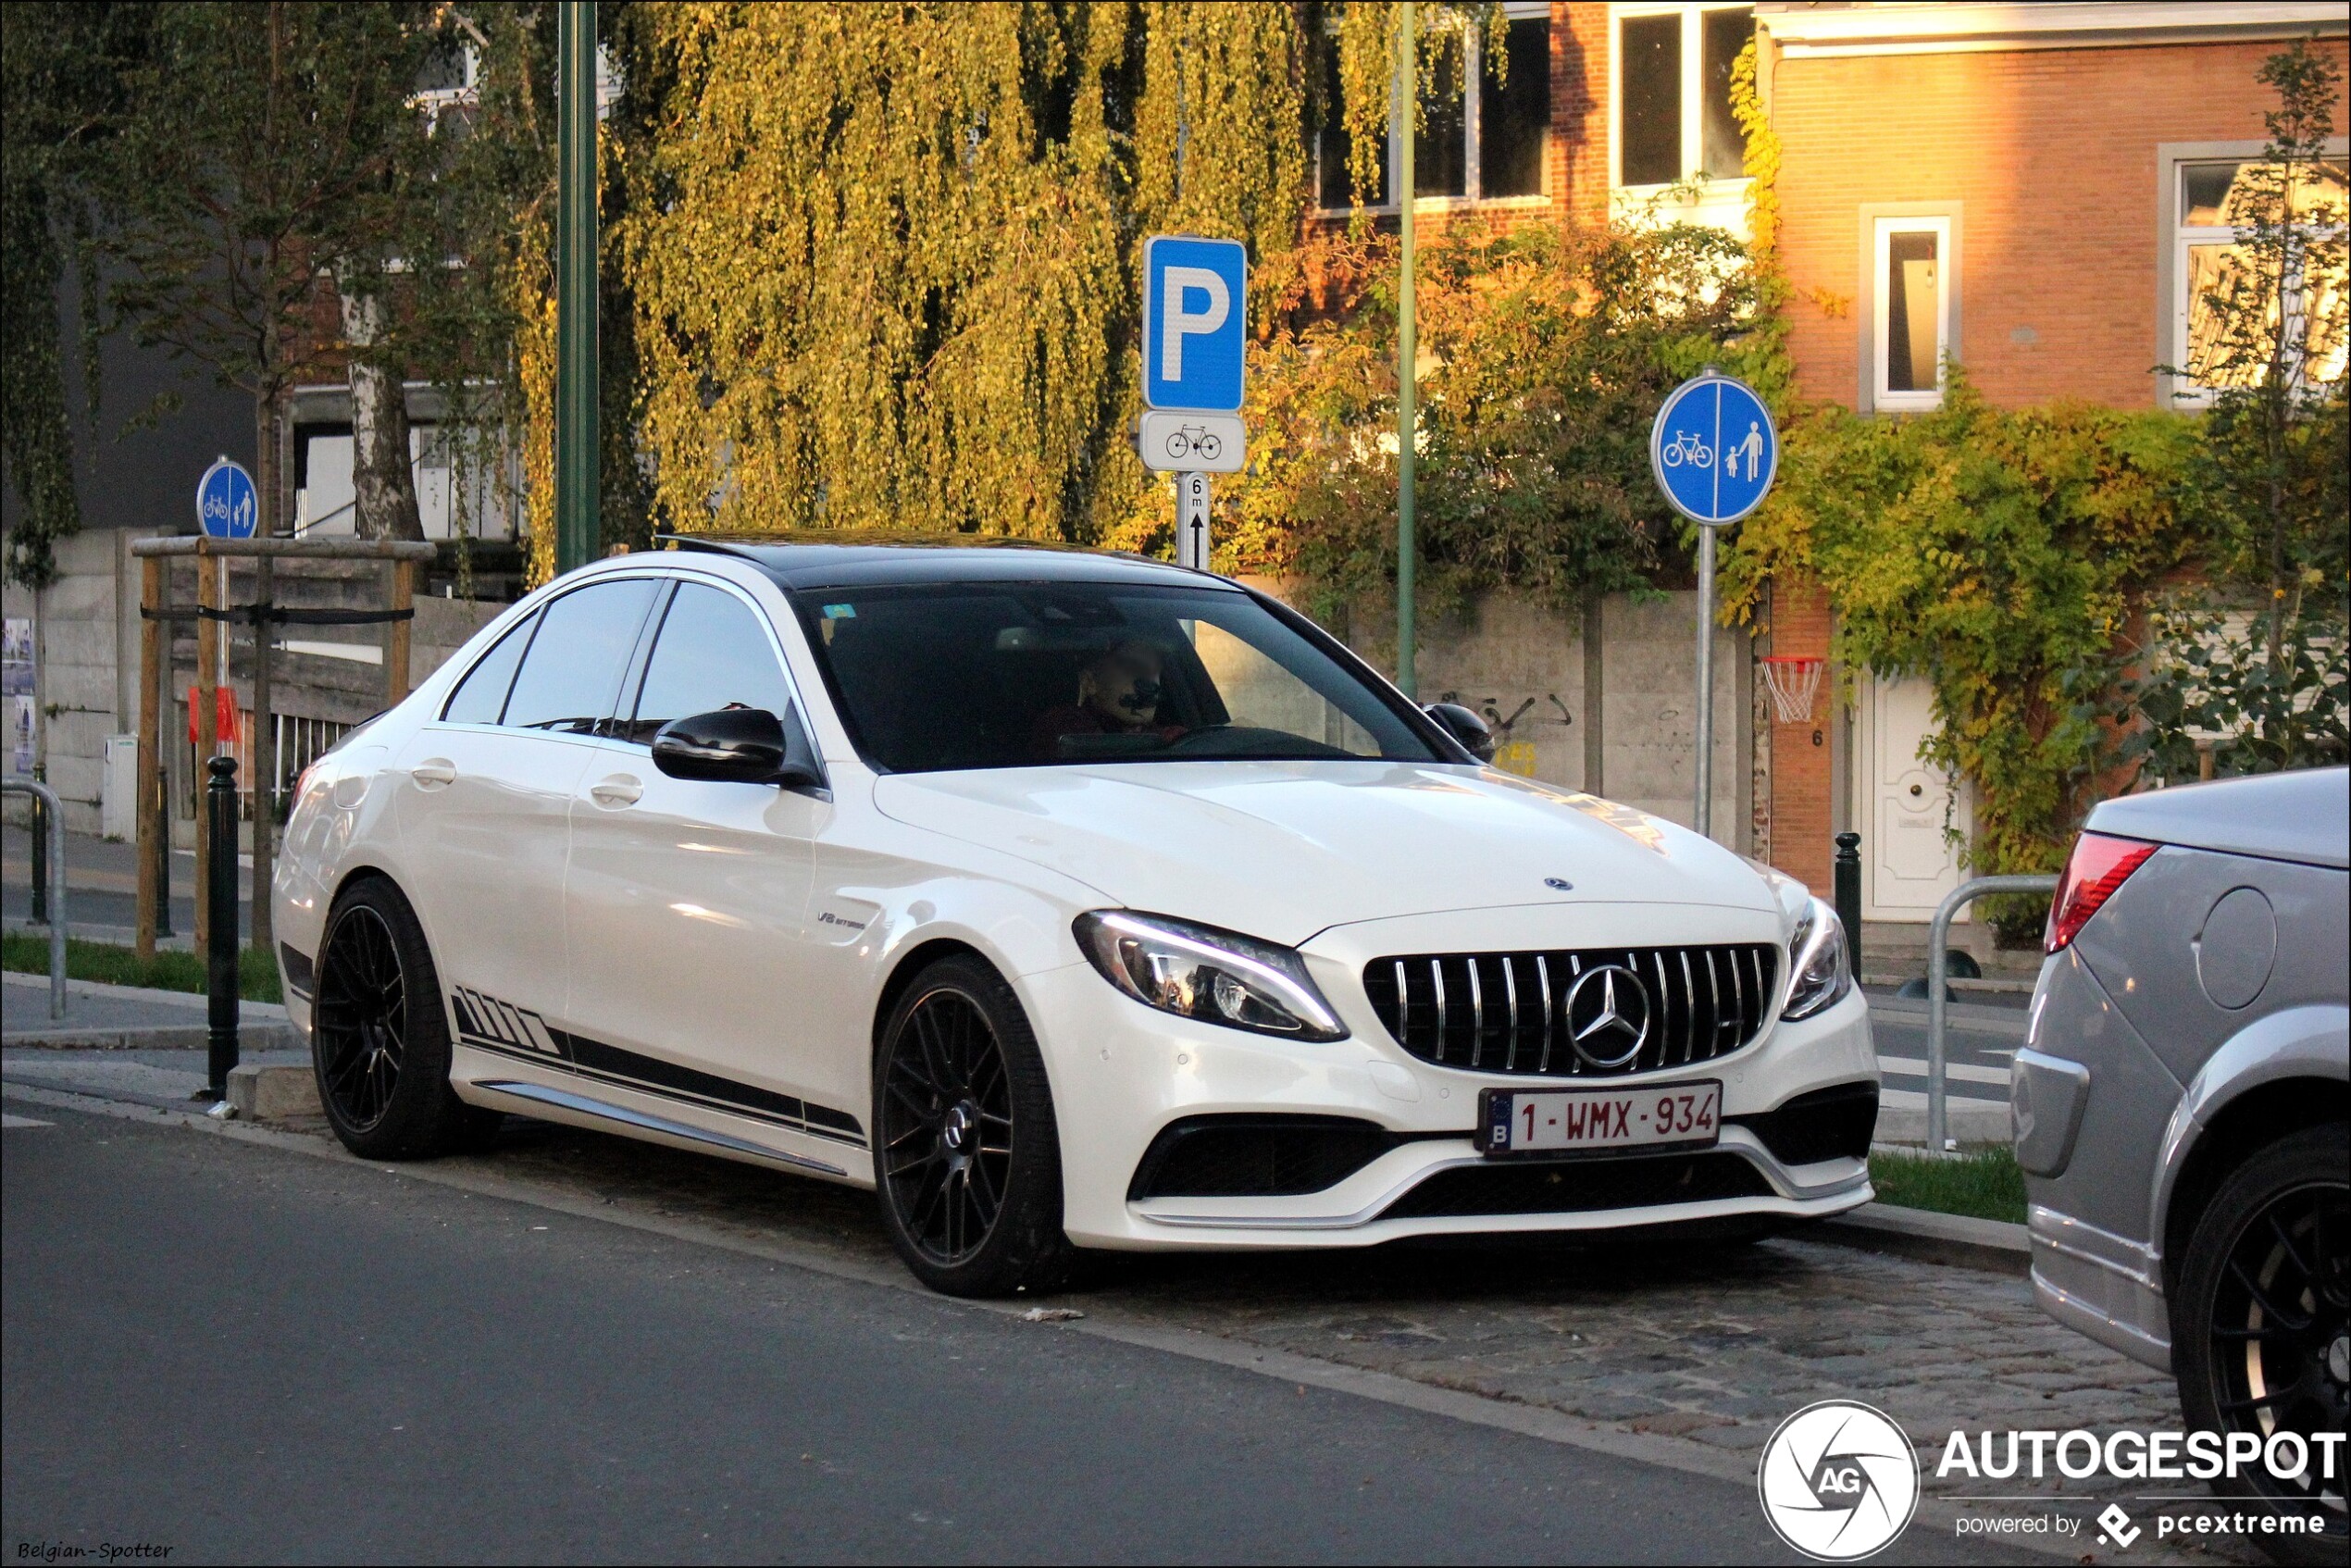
[[577, 522], [1407, 358], [1703, 815], [1714, 451]]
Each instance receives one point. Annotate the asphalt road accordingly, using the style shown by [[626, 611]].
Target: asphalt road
[[251, 1355]]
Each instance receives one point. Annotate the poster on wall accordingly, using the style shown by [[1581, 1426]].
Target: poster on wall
[[16, 690]]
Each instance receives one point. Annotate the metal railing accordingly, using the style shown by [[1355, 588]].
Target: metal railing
[[53, 818], [1938, 963]]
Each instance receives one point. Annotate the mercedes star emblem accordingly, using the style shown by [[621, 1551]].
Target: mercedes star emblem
[[1607, 1015]]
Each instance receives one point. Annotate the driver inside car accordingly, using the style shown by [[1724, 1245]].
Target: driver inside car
[[1118, 694]]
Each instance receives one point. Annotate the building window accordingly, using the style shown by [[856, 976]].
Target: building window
[[1485, 123], [1674, 115], [2215, 200], [1910, 326]]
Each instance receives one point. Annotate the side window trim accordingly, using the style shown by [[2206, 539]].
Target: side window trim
[[636, 690], [539, 621], [528, 632], [641, 658]]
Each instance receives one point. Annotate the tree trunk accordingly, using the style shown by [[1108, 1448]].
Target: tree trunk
[[383, 484]]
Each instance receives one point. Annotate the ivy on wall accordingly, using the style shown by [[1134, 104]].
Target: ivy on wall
[[1999, 554]]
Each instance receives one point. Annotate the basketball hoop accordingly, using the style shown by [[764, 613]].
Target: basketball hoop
[[1792, 679]]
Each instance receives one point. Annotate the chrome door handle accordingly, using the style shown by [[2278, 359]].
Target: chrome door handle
[[620, 789], [434, 773]]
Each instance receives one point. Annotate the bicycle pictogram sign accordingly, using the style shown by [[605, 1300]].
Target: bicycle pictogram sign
[[1686, 448]]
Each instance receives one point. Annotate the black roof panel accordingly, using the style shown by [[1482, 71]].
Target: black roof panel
[[920, 560]]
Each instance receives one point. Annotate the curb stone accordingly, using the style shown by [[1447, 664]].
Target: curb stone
[[1956, 1239]]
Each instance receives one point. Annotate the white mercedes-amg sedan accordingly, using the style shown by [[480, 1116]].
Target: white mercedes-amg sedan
[[1069, 900]]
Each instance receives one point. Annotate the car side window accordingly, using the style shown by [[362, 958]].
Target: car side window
[[482, 694], [713, 652], [571, 675]]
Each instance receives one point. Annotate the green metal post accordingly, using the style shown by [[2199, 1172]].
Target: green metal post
[[577, 527], [1406, 110]]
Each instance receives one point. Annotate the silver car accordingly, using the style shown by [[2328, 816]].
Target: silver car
[[2183, 1111]]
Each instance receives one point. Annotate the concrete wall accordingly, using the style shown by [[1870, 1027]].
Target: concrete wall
[[89, 663], [1506, 648]]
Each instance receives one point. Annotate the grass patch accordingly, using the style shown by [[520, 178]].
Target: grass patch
[[29, 953], [1985, 1185]]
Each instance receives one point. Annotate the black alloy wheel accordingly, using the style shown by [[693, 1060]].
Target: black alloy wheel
[[2266, 1290], [967, 1154], [379, 1038], [363, 1019]]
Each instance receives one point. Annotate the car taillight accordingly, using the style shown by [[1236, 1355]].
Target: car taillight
[[2099, 865]]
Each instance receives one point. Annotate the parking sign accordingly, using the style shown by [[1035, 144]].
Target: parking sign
[[1194, 318]]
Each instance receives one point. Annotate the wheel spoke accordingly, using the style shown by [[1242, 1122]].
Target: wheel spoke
[[2286, 1319]]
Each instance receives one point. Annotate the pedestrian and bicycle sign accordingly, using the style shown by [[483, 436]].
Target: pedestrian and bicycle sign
[[227, 506], [1714, 450]]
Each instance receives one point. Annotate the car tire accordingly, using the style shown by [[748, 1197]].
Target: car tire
[[2267, 1253], [966, 1151], [379, 1043]]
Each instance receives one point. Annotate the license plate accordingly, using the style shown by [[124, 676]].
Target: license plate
[[1549, 1121]]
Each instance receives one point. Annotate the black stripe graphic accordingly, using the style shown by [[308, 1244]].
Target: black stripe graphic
[[480, 1016]]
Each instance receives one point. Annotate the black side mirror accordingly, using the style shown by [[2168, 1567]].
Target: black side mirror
[[1466, 726], [737, 746]]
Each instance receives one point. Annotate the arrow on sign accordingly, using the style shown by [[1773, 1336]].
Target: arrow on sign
[[1191, 520]]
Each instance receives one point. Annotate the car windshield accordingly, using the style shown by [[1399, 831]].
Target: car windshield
[[1032, 675]]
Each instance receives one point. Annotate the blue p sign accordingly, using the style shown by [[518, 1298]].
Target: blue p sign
[[1193, 319], [1714, 450], [225, 505]]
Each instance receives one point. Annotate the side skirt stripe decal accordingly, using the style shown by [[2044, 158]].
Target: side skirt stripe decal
[[629, 1069], [586, 1106]]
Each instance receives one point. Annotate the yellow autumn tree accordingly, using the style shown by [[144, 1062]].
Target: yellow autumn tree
[[884, 257]]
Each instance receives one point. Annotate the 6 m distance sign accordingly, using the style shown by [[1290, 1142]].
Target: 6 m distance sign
[[1714, 450]]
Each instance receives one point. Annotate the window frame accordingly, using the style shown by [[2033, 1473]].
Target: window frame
[[2174, 238], [1473, 95], [536, 615], [1693, 15], [632, 686], [1882, 228]]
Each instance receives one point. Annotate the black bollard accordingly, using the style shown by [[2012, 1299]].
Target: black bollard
[[220, 954], [40, 861], [1849, 896]]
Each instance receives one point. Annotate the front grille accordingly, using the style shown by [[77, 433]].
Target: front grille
[[1827, 1123], [1581, 1185], [1258, 1156], [1508, 1011]]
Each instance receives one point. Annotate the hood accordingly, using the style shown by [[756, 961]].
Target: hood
[[1282, 850]]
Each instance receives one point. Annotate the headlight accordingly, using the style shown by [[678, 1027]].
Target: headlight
[[1200, 972], [1816, 957]]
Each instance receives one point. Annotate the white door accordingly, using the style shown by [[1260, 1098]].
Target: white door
[[688, 897], [485, 813], [1910, 857]]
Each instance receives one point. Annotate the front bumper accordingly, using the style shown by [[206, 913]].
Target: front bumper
[[1122, 1072]]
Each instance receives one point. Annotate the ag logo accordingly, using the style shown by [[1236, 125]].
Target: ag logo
[[1838, 1481]]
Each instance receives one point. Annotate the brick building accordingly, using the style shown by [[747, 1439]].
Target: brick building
[[2029, 191]]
